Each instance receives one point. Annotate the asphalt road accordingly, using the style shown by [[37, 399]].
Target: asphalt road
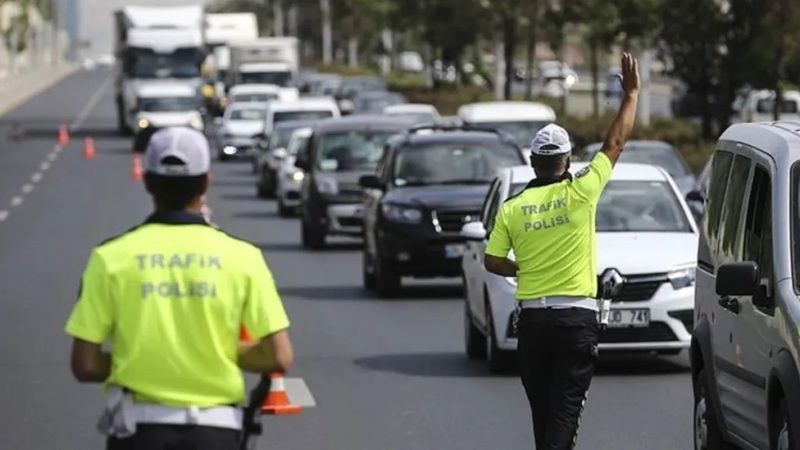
[[387, 374]]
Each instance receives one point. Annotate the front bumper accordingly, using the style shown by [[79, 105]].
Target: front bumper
[[345, 219], [288, 190], [237, 147], [420, 255], [671, 313]]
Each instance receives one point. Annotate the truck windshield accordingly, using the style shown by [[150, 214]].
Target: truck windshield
[[453, 163], [282, 79], [168, 104], [285, 116], [145, 63], [637, 206], [521, 131], [351, 151]]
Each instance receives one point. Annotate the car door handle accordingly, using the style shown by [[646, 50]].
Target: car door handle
[[731, 304]]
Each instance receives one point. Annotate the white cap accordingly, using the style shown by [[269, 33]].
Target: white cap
[[177, 152], [551, 140]]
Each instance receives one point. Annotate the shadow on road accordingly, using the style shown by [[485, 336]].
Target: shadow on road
[[444, 365], [233, 182], [255, 214], [334, 293], [239, 196], [279, 247], [620, 365]]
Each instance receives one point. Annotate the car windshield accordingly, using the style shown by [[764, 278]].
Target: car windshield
[[637, 206], [248, 114], [664, 157], [145, 63], [282, 79], [285, 116], [280, 137], [767, 106], [522, 132], [168, 104], [351, 151], [453, 163], [260, 97]]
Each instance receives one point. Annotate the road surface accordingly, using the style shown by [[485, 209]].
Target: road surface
[[386, 374]]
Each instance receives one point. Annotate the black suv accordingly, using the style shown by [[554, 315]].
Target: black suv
[[431, 182], [339, 152]]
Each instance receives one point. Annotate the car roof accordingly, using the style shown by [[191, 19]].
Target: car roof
[[292, 124], [409, 108], [622, 172], [781, 140], [303, 104], [365, 122], [497, 111], [596, 146]]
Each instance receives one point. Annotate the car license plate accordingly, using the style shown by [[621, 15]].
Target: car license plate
[[454, 250], [629, 318]]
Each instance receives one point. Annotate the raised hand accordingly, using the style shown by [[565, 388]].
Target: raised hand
[[630, 74]]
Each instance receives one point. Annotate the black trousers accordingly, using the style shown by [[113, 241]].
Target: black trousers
[[557, 353], [177, 437]]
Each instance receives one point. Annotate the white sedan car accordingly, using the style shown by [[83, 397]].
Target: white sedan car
[[290, 178], [644, 230]]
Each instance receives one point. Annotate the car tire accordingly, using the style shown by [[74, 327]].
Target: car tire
[[261, 191], [497, 360], [780, 435], [221, 157], [283, 210], [312, 238], [367, 275], [387, 280], [474, 340], [706, 431]]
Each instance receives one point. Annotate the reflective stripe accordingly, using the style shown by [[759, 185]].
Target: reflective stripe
[[221, 417], [560, 302]]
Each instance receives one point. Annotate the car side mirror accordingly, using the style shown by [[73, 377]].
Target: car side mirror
[[280, 153], [695, 196], [473, 231], [738, 278], [371, 182]]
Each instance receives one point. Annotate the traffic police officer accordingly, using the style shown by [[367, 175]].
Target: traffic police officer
[[170, 296], [550, 226]]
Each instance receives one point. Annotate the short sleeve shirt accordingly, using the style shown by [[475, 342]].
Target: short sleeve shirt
[[551, 229], [170, 296]]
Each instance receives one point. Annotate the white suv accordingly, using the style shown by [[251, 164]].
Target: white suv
[[644, 230]]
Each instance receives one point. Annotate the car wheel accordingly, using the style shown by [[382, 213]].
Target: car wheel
[[781, 437], [261, 191], [707, 434], [283, 210], [367, 271], [387, 280], [497, 360], [268, 181], [312, 238], [474, 340]]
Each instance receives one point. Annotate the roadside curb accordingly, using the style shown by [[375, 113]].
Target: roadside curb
[[19, 88]]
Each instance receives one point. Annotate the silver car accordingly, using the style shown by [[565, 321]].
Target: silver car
[[746, 341]]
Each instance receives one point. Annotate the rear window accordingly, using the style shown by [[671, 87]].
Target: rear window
[[767, 106], [286, 116], [453, 163]]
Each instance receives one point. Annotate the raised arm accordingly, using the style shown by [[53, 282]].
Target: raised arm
[[622, 126]]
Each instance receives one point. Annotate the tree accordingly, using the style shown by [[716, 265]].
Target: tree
[[534, 11]]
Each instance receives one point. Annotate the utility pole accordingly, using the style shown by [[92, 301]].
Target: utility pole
[[499, 66], [643, 111], [327, 33], [277, 15]]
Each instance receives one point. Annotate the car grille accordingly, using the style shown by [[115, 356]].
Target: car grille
[[639, 288], [451, 222], [656, 332]]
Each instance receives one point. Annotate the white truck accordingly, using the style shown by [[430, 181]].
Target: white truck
[[222, 31], [154, 44], [273, 60]]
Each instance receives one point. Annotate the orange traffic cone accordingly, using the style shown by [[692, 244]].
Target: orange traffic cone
[[137, 172], [277, 401], [63, 134], [88, 148]]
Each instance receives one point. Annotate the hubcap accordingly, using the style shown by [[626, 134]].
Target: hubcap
[[783, 437], [700, 425]]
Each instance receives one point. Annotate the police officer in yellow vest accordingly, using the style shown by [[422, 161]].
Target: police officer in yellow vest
[[550, 226], [170, 296]]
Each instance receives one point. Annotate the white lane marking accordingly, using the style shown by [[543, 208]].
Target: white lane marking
[[44, 166], [27, 188], [299, 393], [16, 201], [3, 215], [36, 177], [90, 105], [52, 156]]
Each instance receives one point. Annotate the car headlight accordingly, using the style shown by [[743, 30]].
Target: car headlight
[[327, 186], [682, 276], [402, 214], [196, 123], [298, 175], [143, 123]]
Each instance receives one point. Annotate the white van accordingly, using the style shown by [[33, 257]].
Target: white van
[[261, 93], [757, 106], [301, 109], [521, 120]]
